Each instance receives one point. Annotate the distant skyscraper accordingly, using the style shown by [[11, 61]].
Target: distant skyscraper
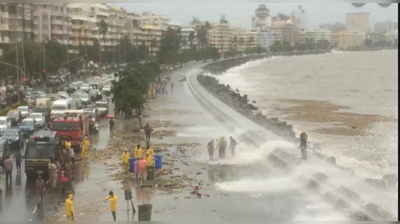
[[301, 18], [262, 19], [358, 21]]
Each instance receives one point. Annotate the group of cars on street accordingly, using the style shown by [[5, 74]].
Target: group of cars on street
[[50, 119]]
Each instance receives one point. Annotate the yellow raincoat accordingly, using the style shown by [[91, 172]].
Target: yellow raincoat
[[85, 147], [138, 153], [125, 160], [149, 160], [67, 144], [150, 151], [113, 202], [69, 208]]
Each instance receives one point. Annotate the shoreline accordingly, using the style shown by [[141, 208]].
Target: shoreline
[[239, 103]]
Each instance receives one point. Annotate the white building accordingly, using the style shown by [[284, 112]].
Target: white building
[[392, 36], [51, 22], [4, 38], [262, 18], [189, 38], [134, 29], [301, 18], [153, 19], [317, 35], [385, 27], [266, 38]]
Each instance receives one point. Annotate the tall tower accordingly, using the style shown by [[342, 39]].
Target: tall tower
[[262, 18]]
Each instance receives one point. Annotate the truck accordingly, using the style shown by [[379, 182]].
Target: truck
[[74, 125], [42, 146]]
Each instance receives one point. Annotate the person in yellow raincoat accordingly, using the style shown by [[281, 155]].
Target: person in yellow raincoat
[[138, 152], [113, 199], [69, 208], [149, 159], [125, 160], [85, 147], [150, 151], [67, 145]]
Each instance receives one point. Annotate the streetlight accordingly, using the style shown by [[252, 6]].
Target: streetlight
[[18, 82], [69, 76]]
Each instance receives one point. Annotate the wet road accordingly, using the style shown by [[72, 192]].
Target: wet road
[[18, 200]]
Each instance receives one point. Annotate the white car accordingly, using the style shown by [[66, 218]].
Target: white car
[[25, 111], [5, 123], [39, 118], [102, 107], [85, 87]]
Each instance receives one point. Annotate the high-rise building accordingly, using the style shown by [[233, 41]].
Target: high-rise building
[[358, 21], [116, 25], [385, 27], [82, 26], [134, 29], [332, 27], [220, 36], [317, 35], [266, 38], [301, 18], [4, 28], [51, 22], [20, 22], [346, 39], [262, 18]]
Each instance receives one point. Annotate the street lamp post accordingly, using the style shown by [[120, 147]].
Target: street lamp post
[[14, 66], [69, 76]]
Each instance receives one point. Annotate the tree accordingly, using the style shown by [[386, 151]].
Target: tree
[[251, 40], [133, 84], [153, 44], [254, 50], [241, 41], [103, 29], [191, 38], [276, 47], [202, 35], [368, 42], [287, 46], [170, 46]]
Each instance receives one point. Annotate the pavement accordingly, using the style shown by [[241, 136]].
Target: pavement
[[227, 186]]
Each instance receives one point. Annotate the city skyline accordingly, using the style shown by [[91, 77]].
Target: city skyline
[[318, 14]]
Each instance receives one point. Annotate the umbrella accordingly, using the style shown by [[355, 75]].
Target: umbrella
[[109, 116]]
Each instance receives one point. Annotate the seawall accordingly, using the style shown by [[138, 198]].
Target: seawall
[[351, 194]]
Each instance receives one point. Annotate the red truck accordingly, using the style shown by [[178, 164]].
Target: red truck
[[71, 127]]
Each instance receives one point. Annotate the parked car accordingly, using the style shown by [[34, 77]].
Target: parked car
[[14, 138], [5, 123], [15, 116], [25, 111], [39, 118]]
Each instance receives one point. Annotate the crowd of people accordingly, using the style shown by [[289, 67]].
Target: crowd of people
[[221, 147]]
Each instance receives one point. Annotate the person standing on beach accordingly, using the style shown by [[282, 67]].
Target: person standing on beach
[[222, 148], [232, 146], [210, 147], [303, 145]]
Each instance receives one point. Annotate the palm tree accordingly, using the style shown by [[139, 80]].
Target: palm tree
[[103, 29], [191, 39], [153, 44]]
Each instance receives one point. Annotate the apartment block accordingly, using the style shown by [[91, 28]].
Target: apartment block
[[4, 28], [220, 36], [385, 27], [51, 22], [266, 38], [392, 36], [189, 38], [348, 38], [358, 21], [317, 35], [20, 22], [116, 25], [134, 29], [82, 26]]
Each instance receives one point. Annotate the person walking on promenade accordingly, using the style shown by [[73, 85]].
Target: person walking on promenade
[[53, 174], [18, 160], [8, 166], [138, 152], [111, 122], [222, 147], [85, 147], [147, 130], [40, 188], [69, 208], [113, 199], [210, 147], [232, 145]]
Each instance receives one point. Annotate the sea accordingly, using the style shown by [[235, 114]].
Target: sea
[[365, 82]]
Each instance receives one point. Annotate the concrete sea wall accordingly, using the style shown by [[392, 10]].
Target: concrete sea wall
[[353, 195]]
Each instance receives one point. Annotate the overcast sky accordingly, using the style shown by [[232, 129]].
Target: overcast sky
[[317, 13]]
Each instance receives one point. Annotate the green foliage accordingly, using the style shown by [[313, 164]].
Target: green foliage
[[255, 50], [134, 82], [198, 55], [170, 46], [4, 111], [307, 45]]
